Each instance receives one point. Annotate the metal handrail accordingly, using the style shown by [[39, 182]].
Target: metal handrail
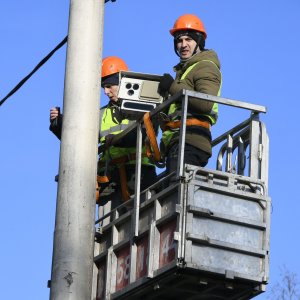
[[184, 94], [236, 138]]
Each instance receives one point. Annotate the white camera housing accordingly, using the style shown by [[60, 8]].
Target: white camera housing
[[138, 92]]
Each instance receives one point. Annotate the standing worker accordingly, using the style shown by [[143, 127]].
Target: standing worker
[[117, 162], [198, 70]]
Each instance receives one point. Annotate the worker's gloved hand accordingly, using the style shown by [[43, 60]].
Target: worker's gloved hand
[[54, 115], [165, 83], [108, 140]]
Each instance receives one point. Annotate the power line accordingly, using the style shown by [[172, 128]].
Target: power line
[[43, 61]]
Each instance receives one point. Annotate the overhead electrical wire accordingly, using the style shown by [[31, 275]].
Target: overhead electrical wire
[[43, 61], [34, 70]]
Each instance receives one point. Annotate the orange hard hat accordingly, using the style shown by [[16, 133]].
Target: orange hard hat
[[188, 22], [112, 65]]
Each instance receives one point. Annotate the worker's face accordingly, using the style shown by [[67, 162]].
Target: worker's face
[[111, 91], [186, 46]]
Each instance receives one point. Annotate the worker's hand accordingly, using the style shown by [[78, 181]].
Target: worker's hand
[[54, 113], [108, 140], [165, 83]]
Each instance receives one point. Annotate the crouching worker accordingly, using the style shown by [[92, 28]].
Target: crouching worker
[[116, 166], [118, 161]]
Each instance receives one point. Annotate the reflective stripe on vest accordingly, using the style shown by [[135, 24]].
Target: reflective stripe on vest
[[213, 115], [108, 126]]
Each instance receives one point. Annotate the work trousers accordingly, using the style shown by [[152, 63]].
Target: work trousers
[[192, 156], [111, 193]]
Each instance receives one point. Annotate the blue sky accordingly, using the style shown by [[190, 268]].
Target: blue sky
[[257, 43]]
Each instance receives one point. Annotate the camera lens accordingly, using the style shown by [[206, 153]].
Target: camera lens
[[135, 86], [128, 86], [130, 92]]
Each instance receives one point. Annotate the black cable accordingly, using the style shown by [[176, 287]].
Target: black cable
[[34, 70], [38, 66]]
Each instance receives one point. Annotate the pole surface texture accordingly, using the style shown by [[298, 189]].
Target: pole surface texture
[[72, 261]]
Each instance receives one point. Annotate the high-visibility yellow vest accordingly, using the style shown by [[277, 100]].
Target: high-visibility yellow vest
[[212, 116], [108, 126]]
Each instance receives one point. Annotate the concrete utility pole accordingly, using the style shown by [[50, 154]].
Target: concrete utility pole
[[72, 261]]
